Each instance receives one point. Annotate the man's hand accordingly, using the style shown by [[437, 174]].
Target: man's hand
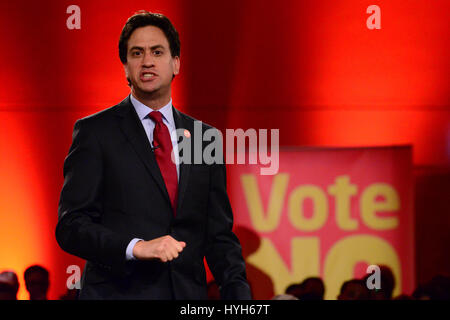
[[164, 249]]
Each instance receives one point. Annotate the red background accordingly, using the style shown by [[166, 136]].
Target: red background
[[310, 68]]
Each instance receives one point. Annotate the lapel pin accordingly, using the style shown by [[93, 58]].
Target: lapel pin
[[187, 134]]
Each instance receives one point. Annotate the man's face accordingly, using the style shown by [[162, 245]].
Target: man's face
[[150, 65]]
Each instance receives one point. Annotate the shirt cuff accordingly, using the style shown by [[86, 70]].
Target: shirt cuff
[[129, 252]]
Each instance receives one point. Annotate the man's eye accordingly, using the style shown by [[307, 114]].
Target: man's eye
[[135, 53], [157, 52]]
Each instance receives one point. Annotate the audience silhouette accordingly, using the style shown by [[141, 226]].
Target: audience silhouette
[[37, 282], [354, 289], [9, 285], [387, 284], [438, 288]]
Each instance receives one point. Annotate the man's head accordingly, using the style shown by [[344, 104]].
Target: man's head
[[387, 284], [149, 49], [9, 285], [294, 289], [312, 289], [37, 282], [354, 289]]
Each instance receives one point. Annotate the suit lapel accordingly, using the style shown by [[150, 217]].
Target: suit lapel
[[132, 128], [185, 168]]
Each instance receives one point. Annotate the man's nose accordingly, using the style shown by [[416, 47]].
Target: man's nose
[[148, 59]]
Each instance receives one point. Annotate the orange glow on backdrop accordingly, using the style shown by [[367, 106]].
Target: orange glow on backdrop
[[24, 214]]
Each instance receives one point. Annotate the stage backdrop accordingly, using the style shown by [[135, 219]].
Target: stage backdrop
[[311, 68], [328, 212]]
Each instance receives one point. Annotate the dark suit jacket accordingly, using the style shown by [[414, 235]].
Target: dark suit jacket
[[113, 192]]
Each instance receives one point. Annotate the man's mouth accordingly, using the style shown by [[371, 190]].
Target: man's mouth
[[147, 75]]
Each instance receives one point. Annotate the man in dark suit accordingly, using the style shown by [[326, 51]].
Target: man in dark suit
[[143, 222]]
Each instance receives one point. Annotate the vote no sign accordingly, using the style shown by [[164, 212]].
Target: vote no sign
[[328, 212]]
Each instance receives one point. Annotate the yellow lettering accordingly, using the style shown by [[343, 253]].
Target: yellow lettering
[[343, 190], [369, 206], [265, 222], [296, 213]]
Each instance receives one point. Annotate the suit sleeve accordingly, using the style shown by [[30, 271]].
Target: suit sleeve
[[223, 253], [79, 230]]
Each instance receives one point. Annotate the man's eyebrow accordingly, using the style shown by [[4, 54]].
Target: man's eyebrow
[[158, 46], [136, 48]]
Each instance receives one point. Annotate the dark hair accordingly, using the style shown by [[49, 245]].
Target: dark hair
[[35, 269], [142, 19], [312, 288], [352, 281], [349, 292], [387, 280]]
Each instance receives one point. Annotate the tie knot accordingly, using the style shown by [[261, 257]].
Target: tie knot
[[155, 116]]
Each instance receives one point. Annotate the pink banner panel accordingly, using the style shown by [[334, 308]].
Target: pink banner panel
[[328, 212]]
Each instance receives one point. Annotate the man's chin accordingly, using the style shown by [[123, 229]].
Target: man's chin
[[145, 90]]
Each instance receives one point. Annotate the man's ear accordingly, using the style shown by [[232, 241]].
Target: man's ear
[[125, 68], [176, 65]]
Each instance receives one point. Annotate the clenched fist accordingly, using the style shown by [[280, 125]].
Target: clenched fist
[[164, 249]]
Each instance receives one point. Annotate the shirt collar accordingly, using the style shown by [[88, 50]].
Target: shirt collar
[[142, 110]]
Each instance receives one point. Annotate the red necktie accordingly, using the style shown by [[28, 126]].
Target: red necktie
[[162, 146]]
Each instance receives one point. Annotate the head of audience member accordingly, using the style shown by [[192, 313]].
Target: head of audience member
[[423, 292], [71, 294], [387, 284], [284, 297], [437, 288], [354, 289], [440, 287], [9, 285], [312, 289], [37, 282], [294, 290]]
